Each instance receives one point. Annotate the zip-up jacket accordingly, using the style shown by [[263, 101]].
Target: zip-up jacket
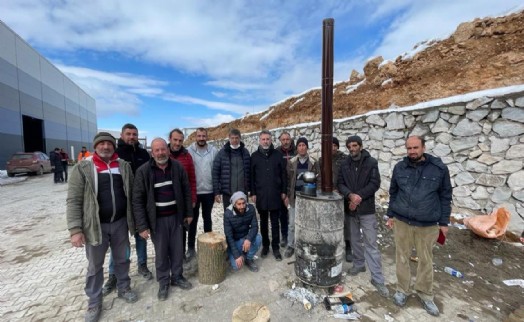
[[203, 161], [133, 154], [312, 165], [186, 161], [238, 226], [269, 178], [222, 170]]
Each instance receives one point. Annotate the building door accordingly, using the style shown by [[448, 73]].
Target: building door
[[33, 134]]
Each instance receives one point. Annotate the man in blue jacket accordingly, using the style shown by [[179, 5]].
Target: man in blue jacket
[[419, 207]]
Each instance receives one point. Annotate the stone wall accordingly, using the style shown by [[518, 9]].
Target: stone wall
[[480, 136]]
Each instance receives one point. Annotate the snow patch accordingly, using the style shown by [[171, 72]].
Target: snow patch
[[387, 81], [266, 115], [352, 88], [296, 102], [421, 46], [384, 62]]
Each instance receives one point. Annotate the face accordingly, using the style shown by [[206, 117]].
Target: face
[[129, 136], [302, 149], [285, 141], [159, 152], [84, 149], [105, 150], [265, 140], [201, 138], [354, 149], [334, 149], [234, 140], [240, 205], [415, 149], [176, 141]]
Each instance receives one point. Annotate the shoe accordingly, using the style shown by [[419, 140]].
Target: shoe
[[144, 271], [163, 292], [277, 255], [110, 285], [381, 288], [182, 283], [250, 263], [93, 314], [349, 256], [289, 252], [190, 254], [128, 295], [265, 251], [356, 270], [283, 243], [430, 307], [400, 299]]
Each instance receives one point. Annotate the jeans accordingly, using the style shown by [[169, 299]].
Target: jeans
[[141, 253], [249, 255]]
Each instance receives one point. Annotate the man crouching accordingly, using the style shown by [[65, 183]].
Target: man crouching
[[241, 230]]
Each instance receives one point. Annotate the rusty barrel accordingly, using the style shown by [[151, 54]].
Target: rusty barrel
[[319, 238]]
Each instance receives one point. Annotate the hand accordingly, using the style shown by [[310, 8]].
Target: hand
[[246, 246], [240, 262], [78, 240], [390, 223], [444, 230], [283, 196], [144, 234], [352, 206], [193, 204], [254, 198], [356, 199], [188, 220], [218, 199], [286, 202]]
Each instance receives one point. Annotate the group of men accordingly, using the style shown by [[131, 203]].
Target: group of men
[[120, 189], [59, 161]]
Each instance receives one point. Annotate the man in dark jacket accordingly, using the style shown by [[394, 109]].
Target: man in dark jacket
[[287, 147], [241, 230], [419, 207], [56, 163], [268, 190], [161, 206], [358, 180], [231, 169], [64, 157], [129, 149]]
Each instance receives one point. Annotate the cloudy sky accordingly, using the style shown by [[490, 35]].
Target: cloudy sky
[[163, 64]]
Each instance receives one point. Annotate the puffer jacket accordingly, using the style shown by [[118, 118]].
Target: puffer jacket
[[238, 226], [222, 170], [420, 195], [203, 162], [365, 183], [82, 204], [312, 165], [268, 178], [186, 161]]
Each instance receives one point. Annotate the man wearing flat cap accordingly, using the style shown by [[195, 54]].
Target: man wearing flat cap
[[241, 230], [99, 216]]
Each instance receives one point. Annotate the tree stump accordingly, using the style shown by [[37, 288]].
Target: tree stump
[[251, 312], [211, 258]]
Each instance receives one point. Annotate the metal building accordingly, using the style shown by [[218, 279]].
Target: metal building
[[40, 108]]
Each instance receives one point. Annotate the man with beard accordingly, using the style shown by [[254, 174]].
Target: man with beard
[[231, 169], [130, 150], [419, 207], [162, 205], [268, 190], [358, 180], [241, 230], [179, 153], [287, 147], [203, 155], [99, 215]]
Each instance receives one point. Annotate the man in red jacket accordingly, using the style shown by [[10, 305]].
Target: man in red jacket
[[181, 154]]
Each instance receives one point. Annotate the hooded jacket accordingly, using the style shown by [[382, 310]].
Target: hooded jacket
[[237, 226]]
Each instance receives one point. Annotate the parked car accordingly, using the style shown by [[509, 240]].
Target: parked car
[[28, 162]]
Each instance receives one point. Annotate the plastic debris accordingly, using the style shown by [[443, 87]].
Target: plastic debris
[[347, 316], [307, 304], [496, 261], [515, 282], [215, 287], [300, 293]]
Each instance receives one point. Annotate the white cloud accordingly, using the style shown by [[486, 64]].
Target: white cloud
[[236, 108], [210, 121]]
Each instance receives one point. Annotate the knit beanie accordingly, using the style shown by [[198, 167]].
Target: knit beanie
[[237, 195], [335, 142], [104, 136], [354, 138], [302, 140]]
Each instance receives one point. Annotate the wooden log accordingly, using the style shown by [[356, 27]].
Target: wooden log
[[212, 254], [251, 312]]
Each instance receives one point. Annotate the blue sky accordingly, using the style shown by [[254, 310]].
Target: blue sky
[[166, 64]]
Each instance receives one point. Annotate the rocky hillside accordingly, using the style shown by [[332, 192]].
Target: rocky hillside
[[482, 54]]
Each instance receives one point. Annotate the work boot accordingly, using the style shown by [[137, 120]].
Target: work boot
[[349, 256], [93, 313], [381, 288], [289, 252], [400, 298], [110, 285], [277, 255], [283, 243], [182, 282], [163, 292], [265, 251], [128, 295], [144, 271], [190, 254], [430, 307], [250, 263], [356, 270]]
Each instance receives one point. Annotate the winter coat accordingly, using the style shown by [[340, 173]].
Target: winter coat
[[421, 195], [144, 205], [134, 154], [365, 183], [82, 204], [268, 178], [203, 162], [336, 161], [186, 161], [222, 170], [288, 154], [238, 226], [56, 161], [312, 165]]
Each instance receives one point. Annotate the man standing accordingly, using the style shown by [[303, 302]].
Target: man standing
[[241, 230], [231, 169], [99, 216], [83, 154], [130, 150], [296, 167], [287, 148], [161, 206], [358, 180], [203, 155], [64, 159], [56, 162], [268, 190], [419, 206]]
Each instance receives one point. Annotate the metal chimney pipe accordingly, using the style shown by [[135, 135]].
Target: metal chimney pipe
[[327, 105]]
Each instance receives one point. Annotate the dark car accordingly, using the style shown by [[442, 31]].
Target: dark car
[[28, 162]]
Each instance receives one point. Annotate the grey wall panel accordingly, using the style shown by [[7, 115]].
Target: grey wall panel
[[51, 76], [27, 59], [8, 73], [72, 107], [10, 144], [9, 98], [8, 40], [31, 106], [54, 114], [54, 130], [84, 129], [74, 134], [29, 85], [72, 120], [51, 144], [71, 90], [52, 97], [11, 122]]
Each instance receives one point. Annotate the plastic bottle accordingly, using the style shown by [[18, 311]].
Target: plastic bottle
[[453, 272], [342, 308]]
